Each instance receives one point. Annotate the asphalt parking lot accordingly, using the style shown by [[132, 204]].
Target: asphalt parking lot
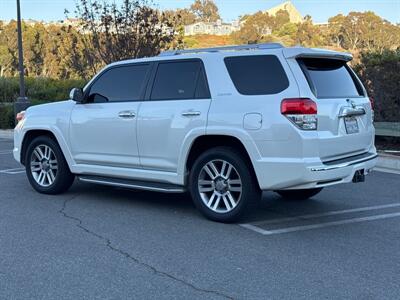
[[101, 242]]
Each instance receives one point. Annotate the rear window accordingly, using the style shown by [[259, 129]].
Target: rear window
[[330, 78], [257, 74]]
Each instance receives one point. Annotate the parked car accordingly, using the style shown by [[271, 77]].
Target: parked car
[[223, 123]]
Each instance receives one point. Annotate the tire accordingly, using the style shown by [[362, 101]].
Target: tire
[[46, 167], [299, 194], [229, 187]]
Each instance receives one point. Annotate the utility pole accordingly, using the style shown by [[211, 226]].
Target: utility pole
[[22, 102]]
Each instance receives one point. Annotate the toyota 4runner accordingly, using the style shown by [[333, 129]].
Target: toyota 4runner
[[223, 123]]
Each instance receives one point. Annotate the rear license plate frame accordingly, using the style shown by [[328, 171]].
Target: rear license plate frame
[[351, 125]]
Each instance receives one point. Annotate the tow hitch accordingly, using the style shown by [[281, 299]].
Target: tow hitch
[[359, 176]]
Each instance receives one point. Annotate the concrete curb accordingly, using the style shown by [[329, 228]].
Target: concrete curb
[[6, 134], [388, 163]]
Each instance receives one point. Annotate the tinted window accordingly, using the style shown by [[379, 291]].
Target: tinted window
[[202, 91], [257, 74], [179, 80], [330, 78], [123, 83]]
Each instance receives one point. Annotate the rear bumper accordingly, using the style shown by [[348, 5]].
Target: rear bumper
[[310, 173], [346, 162]]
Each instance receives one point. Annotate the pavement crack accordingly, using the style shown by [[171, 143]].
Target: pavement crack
[[127, 255]]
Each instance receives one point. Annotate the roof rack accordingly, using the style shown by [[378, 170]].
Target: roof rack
[[224, 48]]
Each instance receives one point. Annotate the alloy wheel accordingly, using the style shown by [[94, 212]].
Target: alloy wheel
[[44, 165], [220, 186]]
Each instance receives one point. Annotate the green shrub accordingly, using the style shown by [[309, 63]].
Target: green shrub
[[38, 89], [6, 116], [380, 73]]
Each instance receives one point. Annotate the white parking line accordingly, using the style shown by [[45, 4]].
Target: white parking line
[[326, 214], [255, 226], [320, 225], [386, 170], [5, 152], [13, 171]]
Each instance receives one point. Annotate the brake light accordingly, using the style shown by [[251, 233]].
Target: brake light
[[301, 111], [372, 102], [20, 116]]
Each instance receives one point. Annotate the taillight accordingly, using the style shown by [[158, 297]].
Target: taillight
[[301, 111], [372, 102], [20, 116]]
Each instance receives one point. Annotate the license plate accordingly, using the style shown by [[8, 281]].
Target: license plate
[[351, 125]]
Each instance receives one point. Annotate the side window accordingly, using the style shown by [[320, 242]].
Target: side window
[[202, 91], [257, 74], [179, 80], [123, 83]]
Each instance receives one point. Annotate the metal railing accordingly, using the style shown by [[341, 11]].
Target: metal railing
[[387, 129]]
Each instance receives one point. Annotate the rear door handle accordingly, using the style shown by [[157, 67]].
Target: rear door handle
[[191, 113], [126, 114], [349, 112]]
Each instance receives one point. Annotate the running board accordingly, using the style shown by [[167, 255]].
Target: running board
[[134, 184]]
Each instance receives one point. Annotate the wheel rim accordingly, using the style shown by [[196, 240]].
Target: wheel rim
[[44, 165], [220, 186]]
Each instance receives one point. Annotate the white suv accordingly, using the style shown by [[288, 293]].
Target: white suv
[[224, 123]]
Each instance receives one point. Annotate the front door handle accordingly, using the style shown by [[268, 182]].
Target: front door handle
[[191, 113], [126, 114]]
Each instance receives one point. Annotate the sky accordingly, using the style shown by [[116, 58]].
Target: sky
[[53, 10]]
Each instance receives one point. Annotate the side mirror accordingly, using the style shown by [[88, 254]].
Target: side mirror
[[76, 94]]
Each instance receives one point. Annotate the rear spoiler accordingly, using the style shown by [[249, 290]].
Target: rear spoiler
[[298, 52]]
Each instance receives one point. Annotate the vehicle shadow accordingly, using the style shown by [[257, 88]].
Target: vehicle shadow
[[133, 198], [270, 206]]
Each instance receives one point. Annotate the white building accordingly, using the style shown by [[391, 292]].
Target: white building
[[214, 28], [294, 15]]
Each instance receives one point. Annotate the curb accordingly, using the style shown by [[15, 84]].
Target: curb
[[6, 134], [388, 163]]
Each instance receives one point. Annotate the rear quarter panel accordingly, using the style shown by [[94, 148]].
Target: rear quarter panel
[[276, 139]]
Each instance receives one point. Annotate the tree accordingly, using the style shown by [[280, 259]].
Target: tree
[[287, 34], [34, 49], [307, 34], [281, 18], [115, 32], [255, 28], [205, 10], [186, 16], [9, 56], [3, 50], [363, 31], [335, 30], [379, 71], [180, 17]]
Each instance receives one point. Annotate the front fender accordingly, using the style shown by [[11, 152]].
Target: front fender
[[58, 136], [53, 118]]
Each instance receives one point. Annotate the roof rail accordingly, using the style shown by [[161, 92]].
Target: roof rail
[[223, 48]]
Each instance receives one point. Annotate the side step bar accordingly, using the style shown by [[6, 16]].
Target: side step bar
[[134, 184]]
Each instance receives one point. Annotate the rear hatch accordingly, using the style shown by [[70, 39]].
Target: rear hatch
[[344, 110]]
